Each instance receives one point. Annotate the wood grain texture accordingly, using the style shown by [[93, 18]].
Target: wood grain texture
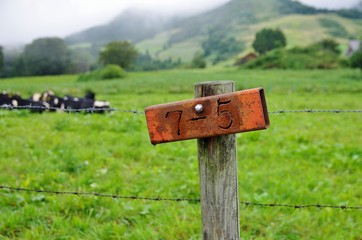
[[218, 176]]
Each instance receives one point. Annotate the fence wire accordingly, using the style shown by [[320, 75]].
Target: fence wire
[[315, 111], [96, 110], [245, 203], [70, 110]]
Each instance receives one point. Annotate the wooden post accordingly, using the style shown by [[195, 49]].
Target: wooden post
[[213, 117], [218, 176]]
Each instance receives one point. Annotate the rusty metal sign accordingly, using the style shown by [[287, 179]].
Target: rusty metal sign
[[211, 116]]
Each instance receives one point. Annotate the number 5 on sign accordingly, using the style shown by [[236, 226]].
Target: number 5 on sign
[[212, 116]]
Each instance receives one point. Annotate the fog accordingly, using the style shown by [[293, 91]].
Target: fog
[[330, 4], [21, 21]]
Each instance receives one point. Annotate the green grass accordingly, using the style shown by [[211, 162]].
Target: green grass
[[301, 159]]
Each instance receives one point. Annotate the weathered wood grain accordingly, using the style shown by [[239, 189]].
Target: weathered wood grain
[[218, 176]]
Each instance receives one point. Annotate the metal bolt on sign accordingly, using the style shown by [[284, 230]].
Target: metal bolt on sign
[[199, 108], [213, 117]]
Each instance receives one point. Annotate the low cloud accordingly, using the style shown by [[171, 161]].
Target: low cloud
[[330, 4], [21, 21]]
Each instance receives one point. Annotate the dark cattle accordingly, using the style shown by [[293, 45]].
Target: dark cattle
[[100, 106], [88, 104], [15, 101], [71, 103], [51, 101], [21, 103], [5, 99], [90, 95]]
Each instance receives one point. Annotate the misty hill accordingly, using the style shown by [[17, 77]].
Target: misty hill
[[133, 25], [238, 19], [359, 6], [237, 12], [136, 25]]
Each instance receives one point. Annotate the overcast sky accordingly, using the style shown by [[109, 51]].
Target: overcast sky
[[21, 21]]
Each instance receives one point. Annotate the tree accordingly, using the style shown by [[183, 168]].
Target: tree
[[81, 60], [120, 53], [1, 60], [268, 39], [329, 45], [198, 61], [219, 46], [46, 56], [13, 64], [356, 59]]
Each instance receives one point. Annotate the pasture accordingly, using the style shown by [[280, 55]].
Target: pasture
[[303, 158]]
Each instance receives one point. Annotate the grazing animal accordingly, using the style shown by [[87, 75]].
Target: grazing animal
[[90, 95], [104, 105], [15, 100], [51, 101], [5, 99], [91, 105], [74, 104]]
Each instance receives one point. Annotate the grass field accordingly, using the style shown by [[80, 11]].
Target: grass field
[[301, 159]]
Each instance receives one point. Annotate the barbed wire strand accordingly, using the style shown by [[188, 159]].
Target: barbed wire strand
[[246, 203], [69, 110], [98, 194], [94, 110], [315, 111]]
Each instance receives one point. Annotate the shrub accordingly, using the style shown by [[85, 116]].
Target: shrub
[[108, 72], [112, 71], [321, 55], [356, 59], [198, 61]]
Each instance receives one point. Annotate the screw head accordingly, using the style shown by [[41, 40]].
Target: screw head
[[199, 108]]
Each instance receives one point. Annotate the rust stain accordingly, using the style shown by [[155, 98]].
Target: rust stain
[[230, 113]]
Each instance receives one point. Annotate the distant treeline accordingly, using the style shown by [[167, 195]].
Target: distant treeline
[[290, 7], [51, 56], [45, 56]]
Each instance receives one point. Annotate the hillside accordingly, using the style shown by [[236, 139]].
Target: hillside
[[359, 6], [238, 19], [133, 25]]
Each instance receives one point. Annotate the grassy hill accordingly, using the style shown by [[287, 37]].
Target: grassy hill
[[300, 30], [240, 19]]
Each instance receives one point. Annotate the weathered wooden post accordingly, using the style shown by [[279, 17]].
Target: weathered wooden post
[[218, 174], [213, 117]]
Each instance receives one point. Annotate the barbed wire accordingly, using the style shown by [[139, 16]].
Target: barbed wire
[[246, 203], [69, 110], [99, 194], [95, 110], [316, 111]]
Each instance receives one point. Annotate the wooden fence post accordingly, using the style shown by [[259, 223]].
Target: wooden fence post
[[218, 176], [213, 119]]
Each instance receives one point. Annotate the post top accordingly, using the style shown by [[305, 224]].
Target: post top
[[223, 82]]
